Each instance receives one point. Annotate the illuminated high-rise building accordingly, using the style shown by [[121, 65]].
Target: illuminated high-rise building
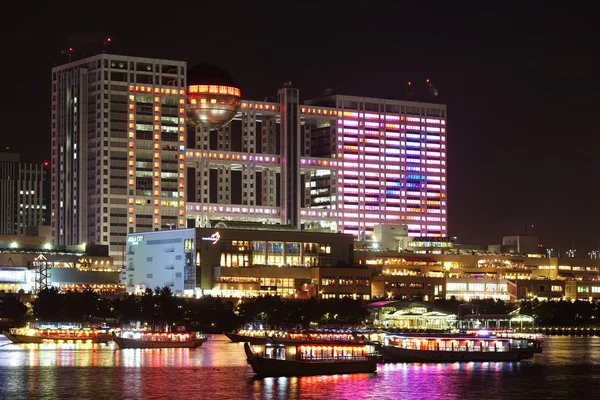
[[118, 149], [23, 195], [337, 163], [144, 144]]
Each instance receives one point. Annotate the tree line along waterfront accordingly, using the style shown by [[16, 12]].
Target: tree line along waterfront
[[216, 314]]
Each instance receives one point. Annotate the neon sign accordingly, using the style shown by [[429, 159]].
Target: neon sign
[[214, 238], [135, 239]]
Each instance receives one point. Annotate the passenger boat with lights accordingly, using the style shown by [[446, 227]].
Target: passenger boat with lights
[[274, 359], [453, 348], [253, 336], [139, 339], [58, 333]]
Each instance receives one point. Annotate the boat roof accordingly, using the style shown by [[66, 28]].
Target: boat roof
[[444, 336], [316, 342]]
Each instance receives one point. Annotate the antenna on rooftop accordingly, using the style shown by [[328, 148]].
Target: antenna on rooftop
[[68, 52], [105, 43], [432, 89], [410, 91]]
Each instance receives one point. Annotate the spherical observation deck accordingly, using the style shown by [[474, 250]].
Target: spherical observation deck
[[213, 96]]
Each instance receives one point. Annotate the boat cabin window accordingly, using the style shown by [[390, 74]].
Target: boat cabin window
[[277, 353]]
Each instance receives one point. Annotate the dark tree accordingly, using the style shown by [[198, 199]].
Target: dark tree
[[13, 309], [127, 309], [148, 312], [212, 314], [48, 305], [268, 310]]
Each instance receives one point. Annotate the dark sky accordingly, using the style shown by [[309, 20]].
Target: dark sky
[[517, 80]]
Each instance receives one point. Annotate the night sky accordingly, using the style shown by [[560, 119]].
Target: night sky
[[517, 81]]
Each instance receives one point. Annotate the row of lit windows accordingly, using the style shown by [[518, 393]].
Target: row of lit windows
[[476, 287], [345, 295], [387, 150], [161, 203], [214, 89], [156, 221], [157, 90], [586, 289], [345, 134]]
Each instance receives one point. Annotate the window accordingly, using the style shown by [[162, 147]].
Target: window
[[346, 281], [328, 281]]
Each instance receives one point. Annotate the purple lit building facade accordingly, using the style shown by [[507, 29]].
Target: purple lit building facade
[[362, 162]]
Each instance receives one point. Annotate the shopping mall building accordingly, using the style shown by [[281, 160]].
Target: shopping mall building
[[246, 260]]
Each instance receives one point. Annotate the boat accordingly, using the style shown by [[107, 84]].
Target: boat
[[453, 348], [140, 339], [58, 333], [253, 336], [275, 359]]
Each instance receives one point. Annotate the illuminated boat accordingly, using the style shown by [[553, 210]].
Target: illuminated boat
[[58, 333], [453, 348], [253, 336], [136, 339], [303, 359]]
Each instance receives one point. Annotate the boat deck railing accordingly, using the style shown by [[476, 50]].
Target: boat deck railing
[[57, 333], [485, 349], [339, 358]]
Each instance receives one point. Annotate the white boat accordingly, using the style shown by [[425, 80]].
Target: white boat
[[137, 339], [453, 348], [58, 333], [314, 358]]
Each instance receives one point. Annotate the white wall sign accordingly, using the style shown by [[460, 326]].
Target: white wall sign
[[214, 238]]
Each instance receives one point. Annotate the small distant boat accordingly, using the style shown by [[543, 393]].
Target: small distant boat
[[58, 333], [453, 348], [136, 339], [304, 359]]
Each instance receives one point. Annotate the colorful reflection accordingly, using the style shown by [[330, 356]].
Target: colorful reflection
[[152, 358], [218, 370], [59, 355]]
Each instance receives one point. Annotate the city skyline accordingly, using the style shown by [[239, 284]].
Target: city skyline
[[513, 78]]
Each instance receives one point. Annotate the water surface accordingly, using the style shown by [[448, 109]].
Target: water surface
[[569, 367]]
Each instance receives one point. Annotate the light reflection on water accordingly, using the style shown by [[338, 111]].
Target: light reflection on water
[[569, 367]]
